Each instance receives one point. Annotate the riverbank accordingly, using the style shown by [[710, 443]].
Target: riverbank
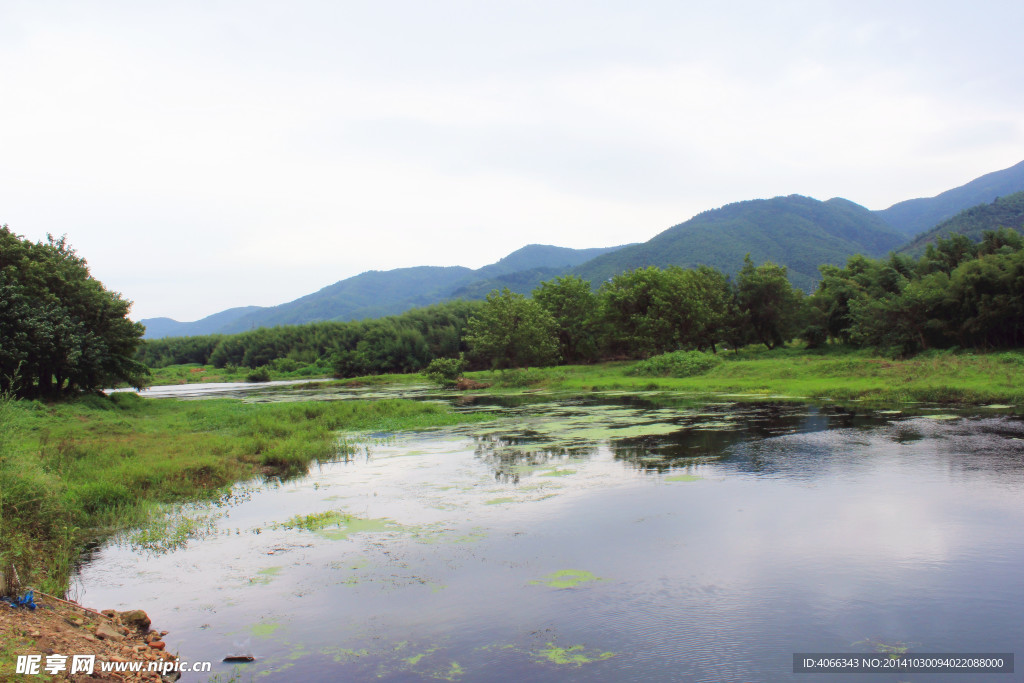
[[800, 374], [833, 373], [109, 646], [76, 472]]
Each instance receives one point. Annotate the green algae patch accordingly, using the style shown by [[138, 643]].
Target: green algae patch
[[264, 629], [453, 673], [683, 477], [557, 473], [356, 525], [941, 416], [341, 654], [338, 526], [415, 659], [266, 575], [576, 655], [436, 535], [499, 501], [567, 578]]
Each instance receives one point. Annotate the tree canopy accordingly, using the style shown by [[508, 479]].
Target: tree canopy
[[512, 331], [61, 331]]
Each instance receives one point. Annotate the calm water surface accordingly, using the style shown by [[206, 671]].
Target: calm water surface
[[609, 540]]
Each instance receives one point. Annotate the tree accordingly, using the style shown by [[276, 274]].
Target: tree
[[60, 330], [573, 307], [770, 303], [511, 331], [629, 310]]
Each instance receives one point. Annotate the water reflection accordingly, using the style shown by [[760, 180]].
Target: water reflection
[[714, 539]]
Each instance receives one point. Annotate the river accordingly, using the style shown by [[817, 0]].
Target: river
[[617, 537]]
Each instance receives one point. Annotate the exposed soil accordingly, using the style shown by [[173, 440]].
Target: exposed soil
[[60, 628]]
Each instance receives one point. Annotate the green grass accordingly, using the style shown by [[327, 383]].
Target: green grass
[[75, 471], [833, 373], [193, 373]]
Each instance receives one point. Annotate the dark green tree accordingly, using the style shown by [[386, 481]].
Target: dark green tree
[[573, 306], [771, 306], [60, 330], [629, 308], [511, 331]]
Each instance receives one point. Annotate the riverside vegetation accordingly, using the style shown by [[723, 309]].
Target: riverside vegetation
[[958, 295], [74, 472]]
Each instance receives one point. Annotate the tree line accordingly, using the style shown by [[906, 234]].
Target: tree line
[[957, 294], [399, 343]]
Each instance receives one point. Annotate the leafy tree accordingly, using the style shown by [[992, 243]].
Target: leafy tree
[[573, 306], [61, 331], [511, 331], [907, 322], [630, 304], [770, 303]]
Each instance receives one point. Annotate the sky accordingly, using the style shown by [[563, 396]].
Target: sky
[[208, 154]]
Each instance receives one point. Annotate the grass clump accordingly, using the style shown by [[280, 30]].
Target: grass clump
[[676, 364]]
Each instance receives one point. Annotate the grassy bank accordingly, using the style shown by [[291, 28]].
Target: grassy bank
[[834, 373], [72, 472], [194, 373]]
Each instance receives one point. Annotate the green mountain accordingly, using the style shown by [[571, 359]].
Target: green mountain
[[534, 256], [917, 215], [372, 294], [1004, 212], [798, 232], [376, 293], [168, 327]]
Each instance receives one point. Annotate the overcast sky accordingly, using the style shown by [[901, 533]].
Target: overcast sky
[[209, 154]]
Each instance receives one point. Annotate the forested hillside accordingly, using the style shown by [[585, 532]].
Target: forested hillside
[[918, 215], [798, 232], [1004, 212]]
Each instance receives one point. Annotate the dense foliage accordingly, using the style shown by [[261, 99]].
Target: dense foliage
[[60, 330], [402, 343], [511, 331], [958, 294], [973, 223]]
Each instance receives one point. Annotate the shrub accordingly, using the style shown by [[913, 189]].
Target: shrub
[[260, 374], [676, 364], [445, 371]]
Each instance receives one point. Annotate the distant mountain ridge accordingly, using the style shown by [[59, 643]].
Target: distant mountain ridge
[[798, 232], [1004, 212], [377, 293], [918, 215], [168, 327]]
